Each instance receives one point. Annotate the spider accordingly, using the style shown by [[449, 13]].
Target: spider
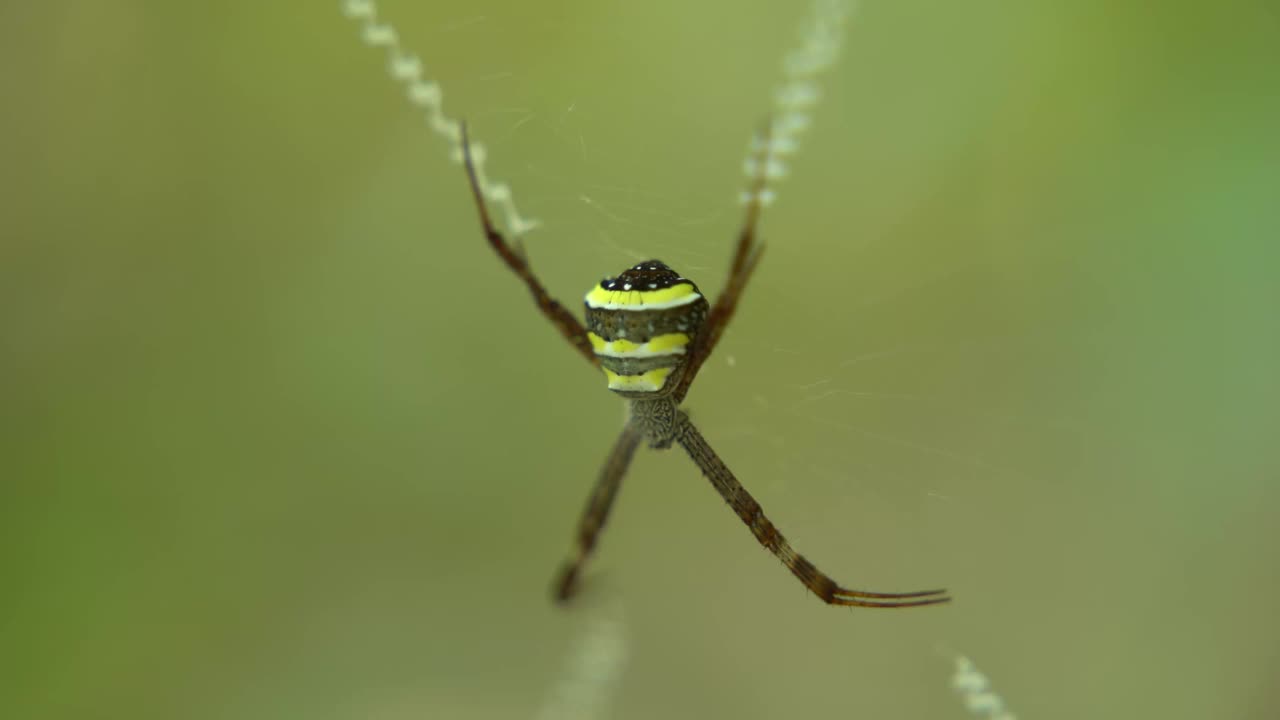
[[650, 330]]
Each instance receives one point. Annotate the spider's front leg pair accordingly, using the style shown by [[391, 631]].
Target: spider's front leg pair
[[650, 330]]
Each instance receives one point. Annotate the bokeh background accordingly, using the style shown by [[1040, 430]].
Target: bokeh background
[[282, 438]]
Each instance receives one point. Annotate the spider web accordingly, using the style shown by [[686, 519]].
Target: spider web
[[890, 390], [603, 205]]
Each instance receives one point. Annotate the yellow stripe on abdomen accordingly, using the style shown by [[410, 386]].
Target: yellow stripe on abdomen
[[625, 296], [669, 344], [651, 381]]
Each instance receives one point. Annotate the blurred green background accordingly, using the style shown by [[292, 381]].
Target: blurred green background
[[283, 439]]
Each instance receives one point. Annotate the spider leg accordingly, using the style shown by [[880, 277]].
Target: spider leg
[[749, 510], [745, 258], [514, 256], [597, 510]]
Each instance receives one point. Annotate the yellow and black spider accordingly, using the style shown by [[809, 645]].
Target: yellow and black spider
[[650, 330]]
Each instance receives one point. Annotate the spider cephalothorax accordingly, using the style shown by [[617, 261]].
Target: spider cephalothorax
[[641, 325], [650, 330]]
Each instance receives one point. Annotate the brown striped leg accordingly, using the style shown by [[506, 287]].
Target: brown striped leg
[[597, 510], [513, 255], [749, 510], [745, 257]]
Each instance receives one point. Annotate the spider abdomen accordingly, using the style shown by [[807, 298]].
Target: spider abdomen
[[641, 325]]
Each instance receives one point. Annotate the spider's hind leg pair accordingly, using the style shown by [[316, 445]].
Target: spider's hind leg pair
[[650, 330]]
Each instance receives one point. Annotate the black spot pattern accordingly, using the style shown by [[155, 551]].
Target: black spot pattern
[[645, 276]]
